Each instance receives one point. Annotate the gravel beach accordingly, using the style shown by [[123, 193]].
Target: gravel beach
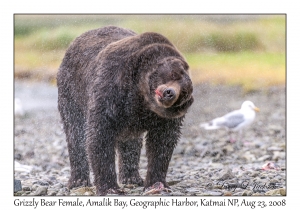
[[203, 163]]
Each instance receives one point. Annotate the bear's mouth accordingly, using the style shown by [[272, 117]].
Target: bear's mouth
[[159, 94], [186, 102]]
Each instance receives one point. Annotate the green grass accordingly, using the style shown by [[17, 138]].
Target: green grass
[[248, 53], [248, 69]]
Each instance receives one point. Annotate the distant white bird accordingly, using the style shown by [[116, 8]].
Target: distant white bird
[[235, 120], [18, 108]]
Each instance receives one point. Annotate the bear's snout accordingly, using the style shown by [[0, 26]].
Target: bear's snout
[[169, 94]]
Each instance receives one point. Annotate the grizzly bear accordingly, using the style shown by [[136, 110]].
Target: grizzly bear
[[113, 87]]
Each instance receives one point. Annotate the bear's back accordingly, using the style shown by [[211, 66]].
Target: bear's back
[[81, 53], [87, 46]]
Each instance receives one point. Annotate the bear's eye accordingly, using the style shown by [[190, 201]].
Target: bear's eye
[[175, 76]]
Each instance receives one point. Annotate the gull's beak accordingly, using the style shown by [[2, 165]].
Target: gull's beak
[[256, 109]]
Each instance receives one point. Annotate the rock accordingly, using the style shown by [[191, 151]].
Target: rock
[[52, 192], [88, 193], [277, 155], [173, 182], [273, 192], [282, 191], [64, 191], [41, 190], [199, 148], [130, 186], [52, 178], [257, 194], [178, 150], [274, 129], [19, 193], [17, 185], [192, 190], [274, 148], [26, 188], [227, 193], [213, 193], [263, 176], [41, 183], [34, 187], [58, 186], [80, 191], [246, 193], [189, 150], [228, 149], [274, 181], [249, 156], [178, 194], [255, 173], [227, 175], [26, 193], [264, 158]]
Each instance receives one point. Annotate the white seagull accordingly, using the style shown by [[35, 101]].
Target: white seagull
[[235, 120]]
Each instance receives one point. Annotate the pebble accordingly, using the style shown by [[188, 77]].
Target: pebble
[[41, 190], [52, 192], [247, 193], [257, 194], [255, 173], [26, 188], [227, 175], [34, 187], [130, 186], [227, 193], [238, 194], [273, 192], [274, 181], [278, 155], [88, 193], [213, 193], [264, 158], [57, 186], [41, 183], [282, 191], [275, 148]]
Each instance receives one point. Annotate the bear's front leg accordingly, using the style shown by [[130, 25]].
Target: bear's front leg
[[160, 143], [129, 157], [101, 139]]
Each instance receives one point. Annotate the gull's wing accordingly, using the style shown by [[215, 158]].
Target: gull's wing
[[232, 119]]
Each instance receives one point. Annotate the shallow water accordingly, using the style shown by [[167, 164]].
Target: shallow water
[[36, 96]]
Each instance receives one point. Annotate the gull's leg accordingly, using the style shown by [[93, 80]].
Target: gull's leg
[[242, 136], [231, 140]]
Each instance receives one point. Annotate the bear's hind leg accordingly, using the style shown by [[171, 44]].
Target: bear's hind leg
[[73, 120], [129, 157]]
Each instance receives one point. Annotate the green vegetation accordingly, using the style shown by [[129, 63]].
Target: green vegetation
[[236, 51], [251, 70]]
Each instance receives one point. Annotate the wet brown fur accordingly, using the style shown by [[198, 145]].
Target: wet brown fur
[[106, 98]]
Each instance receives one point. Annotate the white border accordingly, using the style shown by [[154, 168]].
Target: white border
[[154, 6]]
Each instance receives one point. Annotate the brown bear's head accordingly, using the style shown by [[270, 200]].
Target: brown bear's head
[[170, 87]]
